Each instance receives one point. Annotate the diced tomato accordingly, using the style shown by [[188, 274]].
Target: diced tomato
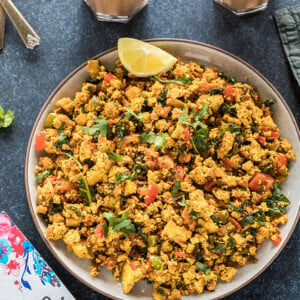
[[227, 162], [167, 110], [187, 134], [281, 161], [133, 266], [99, 231], [261, 140], [235, 223], [214, 69], [109, 77], [179, 60], [275, 135], [229, 94], [40, 141], [50, 179], [88, 223], [149, 264], [181, 254], [261, 182], [179, 173], [277, 240], [152, 192], [206, 87]]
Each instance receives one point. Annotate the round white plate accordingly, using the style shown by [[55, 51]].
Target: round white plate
[[209, 56]]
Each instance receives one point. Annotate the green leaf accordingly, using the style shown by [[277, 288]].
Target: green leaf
[[200, 115], [228, 109], [269, 102], [62, 138], [76, 210], [200, 141], [43, 175], [219, 248], [204, 268], [215, 91], [137, 170], [131, 114], [182, 81], [163, 95], [105, 229], [234, 129], [85, 191], [7, 118], [182, 203], [176, 187], [73, 158], [122, 224], [158, 140], [122, 177], [114, 156], [121, 130], [194, 215], [215, 219], [234, 208], [257, 216], [100, 126], [231, 243]]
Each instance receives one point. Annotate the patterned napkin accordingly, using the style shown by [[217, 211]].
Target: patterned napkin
[[24, 274], [288, 22]]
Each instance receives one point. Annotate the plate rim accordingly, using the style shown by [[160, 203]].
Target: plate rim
[[70, 75]]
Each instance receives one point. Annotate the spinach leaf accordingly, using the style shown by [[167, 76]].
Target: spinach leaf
[[137, 170], [100, 126], [194, 215], [229, 79], [231, 243], [43, 175], [234, 208], [6, 118], [182, 81], [85, 191], [254, 217], [163, 95], [122, 177], [204, 268], [122, 224], [121, 130], [215, 91], [269, 102], [234, 129], [182, 203], [215, 219], [228, 109], [176, 187], [277, 203], [200, 141], [73, 158]]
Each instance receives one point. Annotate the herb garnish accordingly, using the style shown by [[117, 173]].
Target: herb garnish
[[157, 139], [43, 175], [85, 191], [114, 156], [176, 187], [62, 138], [121, 131], [76, 210], [100, 126], [6, 118], [183, 80], [122, 224], [204, 268]]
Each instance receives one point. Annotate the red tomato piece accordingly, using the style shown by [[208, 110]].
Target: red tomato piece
[[133, 266], [227, 162], [88, 223], [281, 161], [275, 135], [40, 141], [261, 182], [167, 110], [50, 179], [187, 134], [261, 140], [151, 195], [179, 60], [179, 173], [149, 264], [229, 94], [99, 231], [109, 77], [277, 240]]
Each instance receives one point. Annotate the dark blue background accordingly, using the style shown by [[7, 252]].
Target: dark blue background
[[70, 35]]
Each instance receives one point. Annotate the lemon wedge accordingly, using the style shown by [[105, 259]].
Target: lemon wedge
[[143, 59]]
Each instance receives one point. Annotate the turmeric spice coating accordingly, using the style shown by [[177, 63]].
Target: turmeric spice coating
[[173, 178]]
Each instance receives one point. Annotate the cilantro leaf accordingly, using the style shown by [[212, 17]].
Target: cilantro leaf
[[122, 177], [176, 187], [215, 219], [158, 140], [76, 210], [62, 138], [219, 248], [131, 114], [228, 109], [114, 156], [257, 216], [122, 224], [100, 126], [73, 158], [7, 118], [204, 268], [121, 130], [43, 175], [200, 141]]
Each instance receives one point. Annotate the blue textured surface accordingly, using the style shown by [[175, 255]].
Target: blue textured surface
[[70, 35]]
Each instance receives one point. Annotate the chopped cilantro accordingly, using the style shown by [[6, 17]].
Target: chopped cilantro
[[6, 118]]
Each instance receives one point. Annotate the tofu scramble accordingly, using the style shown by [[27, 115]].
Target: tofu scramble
[[173, 179]]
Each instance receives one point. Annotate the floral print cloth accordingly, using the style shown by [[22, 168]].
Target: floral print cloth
[[24, 272]]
